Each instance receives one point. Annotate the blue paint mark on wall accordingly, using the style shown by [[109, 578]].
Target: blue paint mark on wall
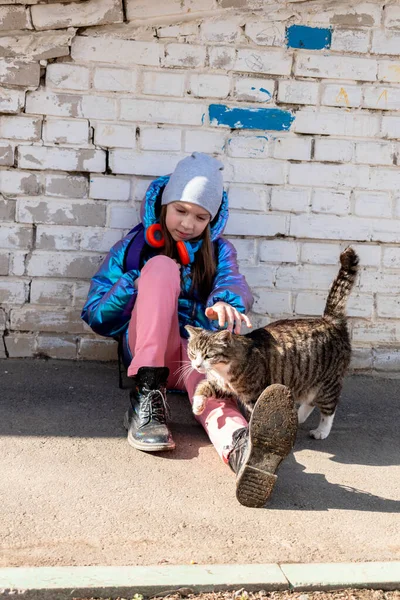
[[250, 118], [311, 38]]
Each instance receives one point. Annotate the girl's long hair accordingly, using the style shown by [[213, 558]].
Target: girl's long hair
[[203, 267]]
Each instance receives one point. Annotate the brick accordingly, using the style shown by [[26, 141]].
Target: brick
[[374, 153], [298, 92], [122, 217], [15, 236], [4, 263], [109, 188], [62, 264], [115, 80], [373, 281], [274, 62], [372, 204], [7, 210], [99, 107], [17, 263], [268, 302], [21, 128], [326, 175], [137, 9], [331, 201], [248, 146], [249, 170], [11, 101], [259, 225], [205, 141], [164, 83], [381, 98], [51, 292], [385, 42], [57, 346], [384, 179], [20, 345], [392, 16], [2, 320], [333, 227], [336, 122], [361, 14], [370, 255], [246, 250], [278, 251], [388, 306], [391, 258], [390, 127], [63, 159], [209, 86], [115, 51], [252, 89], [361, 358], [19, 182], [222, 57], [375, 333], [57, 212], [320, 254], [12, 291], [81, 289], [397, 206], [305, 277], [66, 186], [266, 33], [350, 40], [14, 17], [182, 30], [293, 147], [290, 200], [161, 139], [335, 67], [100, 239], [66, 131], [67, 76], [113, 135], [152, 111], [49, 103], [247, 198], [38, 45], [387, 360], [359, 305], [259, 276], [57, 238], [18, 73], [42, 318], [129, 162], [389, 71], [84, 14], [221, 30], [331, 150], [184, 55], [341, 95], [6, 155], [102, 350]]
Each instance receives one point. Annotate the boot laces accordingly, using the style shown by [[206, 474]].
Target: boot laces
[[155, 405]]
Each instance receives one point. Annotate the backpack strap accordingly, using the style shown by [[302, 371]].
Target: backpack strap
[[134, 249]]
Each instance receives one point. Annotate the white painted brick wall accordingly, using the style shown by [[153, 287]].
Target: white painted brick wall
[[79, 146]]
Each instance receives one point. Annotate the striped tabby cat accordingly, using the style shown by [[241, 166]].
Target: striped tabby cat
[[310, 356]]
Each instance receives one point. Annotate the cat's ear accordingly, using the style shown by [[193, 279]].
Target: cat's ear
[[225, 336], [193, 331]]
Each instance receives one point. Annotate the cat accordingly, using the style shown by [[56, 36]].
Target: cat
[[310, 356]]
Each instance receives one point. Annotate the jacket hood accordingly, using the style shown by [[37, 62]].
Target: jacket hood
[[151, 206]]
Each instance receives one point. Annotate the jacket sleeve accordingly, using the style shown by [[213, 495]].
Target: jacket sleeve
[[229, 285], [112, 294]]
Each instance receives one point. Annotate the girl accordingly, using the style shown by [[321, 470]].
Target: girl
[[173, 270]]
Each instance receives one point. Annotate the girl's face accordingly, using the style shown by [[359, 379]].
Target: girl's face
[[186, 221]]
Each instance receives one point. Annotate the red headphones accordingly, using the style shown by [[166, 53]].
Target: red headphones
[[154, 237]]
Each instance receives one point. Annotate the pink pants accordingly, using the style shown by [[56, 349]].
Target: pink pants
[[154, 341]]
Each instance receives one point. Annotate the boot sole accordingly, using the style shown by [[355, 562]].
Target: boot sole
[[145, 447], [272, 433]]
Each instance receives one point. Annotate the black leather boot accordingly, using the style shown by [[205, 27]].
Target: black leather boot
[[259, 449], [146, 420]]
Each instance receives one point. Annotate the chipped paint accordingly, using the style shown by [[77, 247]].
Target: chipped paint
[[250, 118]]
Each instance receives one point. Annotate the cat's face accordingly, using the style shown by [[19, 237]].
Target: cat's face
[[209, 350]]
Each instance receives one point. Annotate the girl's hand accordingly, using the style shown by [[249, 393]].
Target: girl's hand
[[226, 313]]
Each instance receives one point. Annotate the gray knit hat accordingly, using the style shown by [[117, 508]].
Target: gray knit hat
[[196, 179]]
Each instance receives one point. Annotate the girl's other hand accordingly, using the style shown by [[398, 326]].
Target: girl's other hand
[[225, 313]]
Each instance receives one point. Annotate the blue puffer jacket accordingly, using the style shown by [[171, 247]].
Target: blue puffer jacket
[[112, 293]]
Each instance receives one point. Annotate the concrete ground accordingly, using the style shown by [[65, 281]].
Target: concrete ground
[[72, 492]]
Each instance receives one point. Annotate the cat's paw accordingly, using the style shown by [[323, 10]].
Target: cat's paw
[[317, 434], [199, 404]]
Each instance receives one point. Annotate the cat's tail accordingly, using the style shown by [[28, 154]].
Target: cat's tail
[[343, 284]]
